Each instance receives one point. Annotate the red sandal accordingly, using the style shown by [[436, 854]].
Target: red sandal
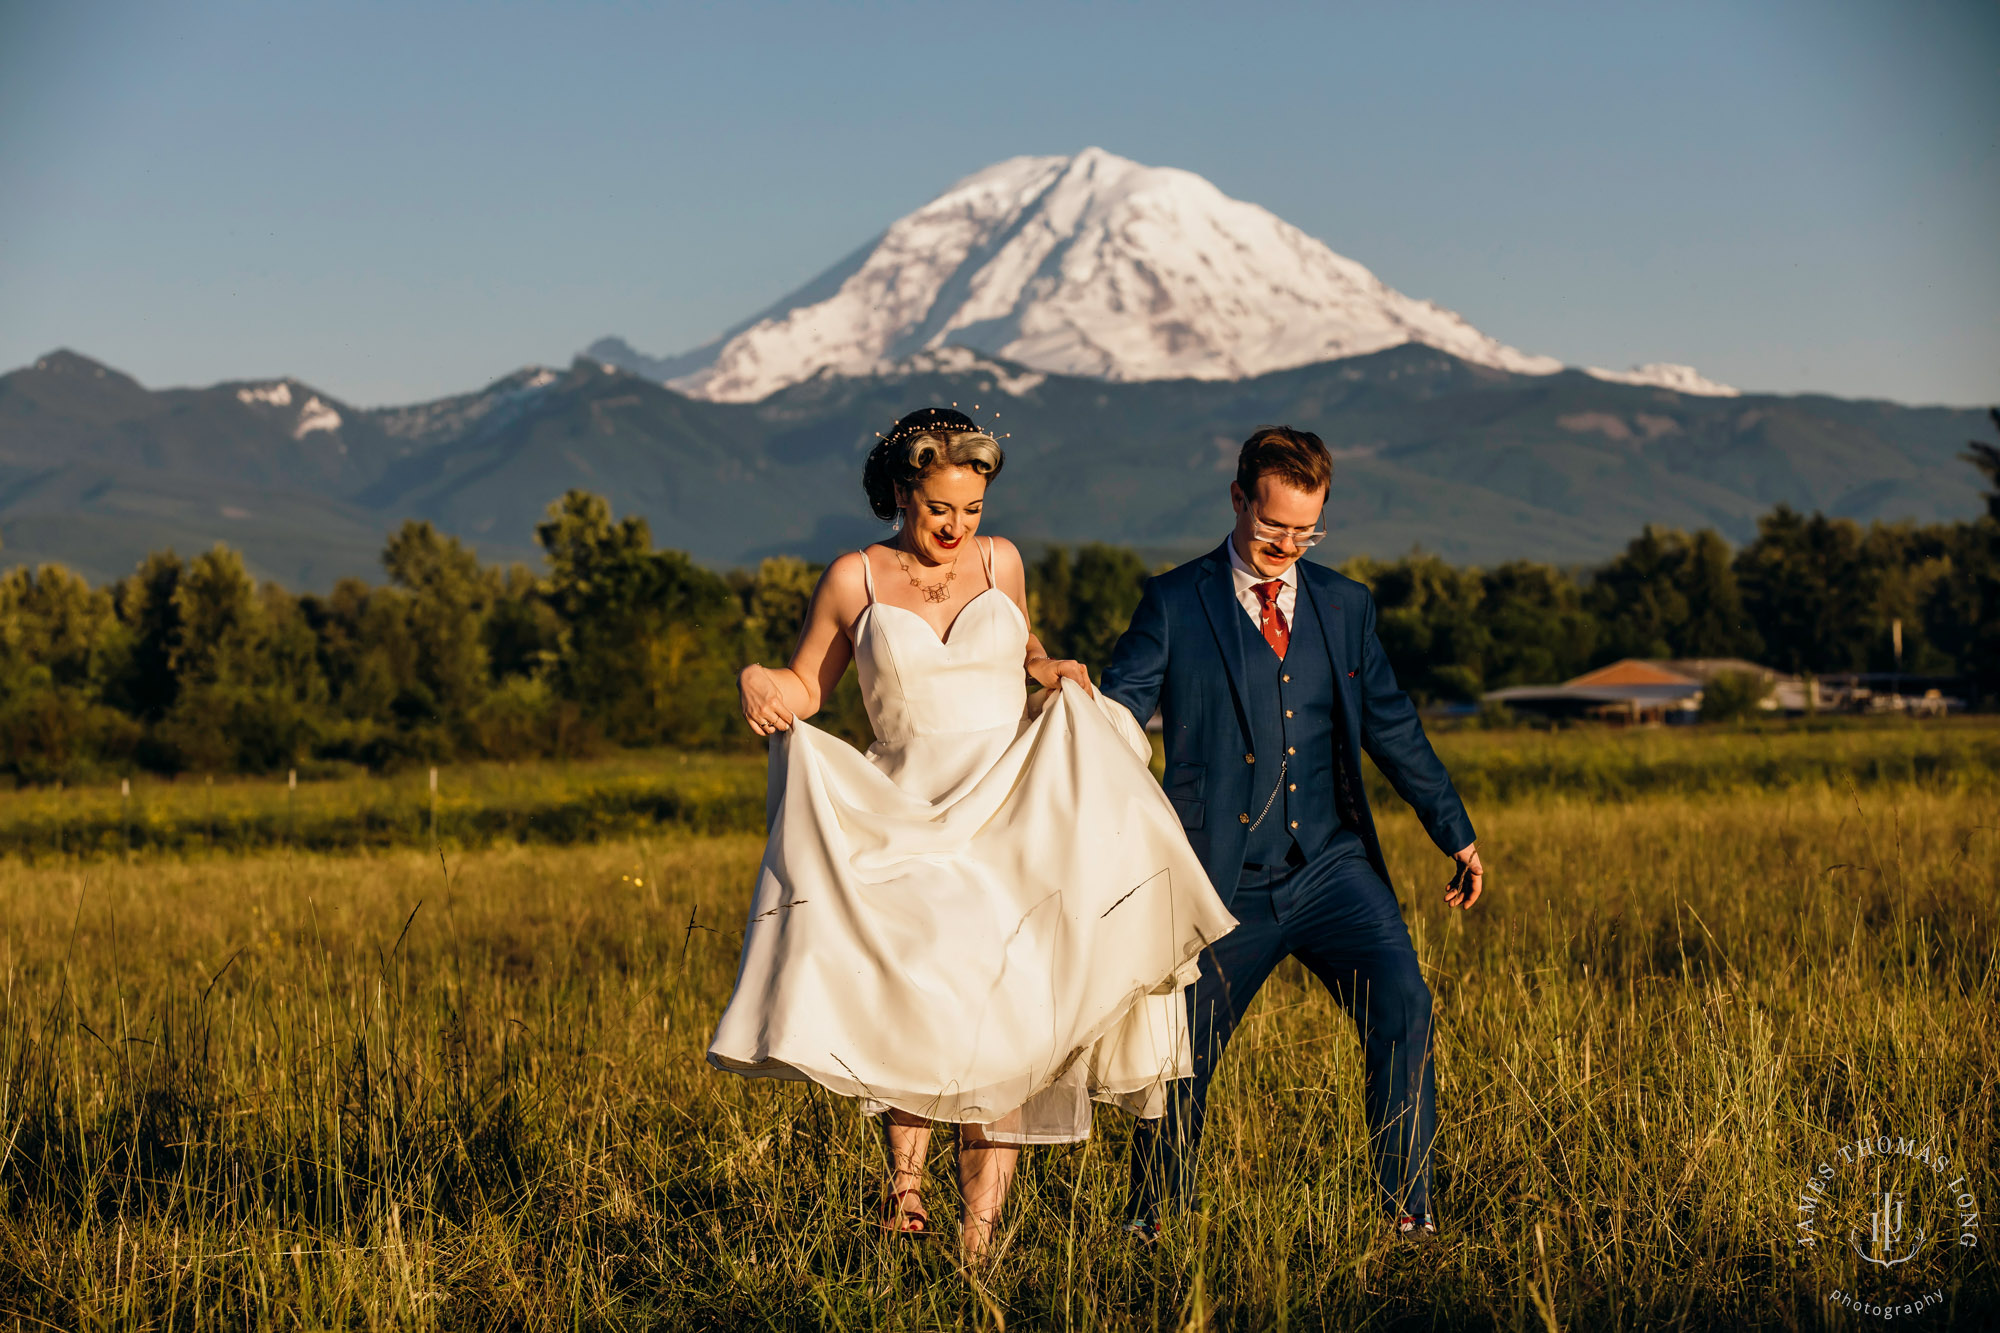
[[899, 1219]]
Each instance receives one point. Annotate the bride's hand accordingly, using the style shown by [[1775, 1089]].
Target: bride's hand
[[1051, 672], [763, 704]]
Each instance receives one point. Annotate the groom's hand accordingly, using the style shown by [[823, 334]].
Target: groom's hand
[[1468, 879]]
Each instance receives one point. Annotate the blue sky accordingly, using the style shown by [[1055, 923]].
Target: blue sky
[[399, 201]]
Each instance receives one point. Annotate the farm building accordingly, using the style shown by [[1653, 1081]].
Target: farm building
[[1662, 689], [1670, 690], [1633, 690]]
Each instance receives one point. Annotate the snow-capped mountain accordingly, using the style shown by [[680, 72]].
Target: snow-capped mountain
[[1088, 265]]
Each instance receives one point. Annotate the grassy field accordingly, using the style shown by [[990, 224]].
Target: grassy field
[[640, 793], [388, 1088], [476, 805]]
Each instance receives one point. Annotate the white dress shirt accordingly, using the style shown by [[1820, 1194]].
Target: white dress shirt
[[1247, 580]]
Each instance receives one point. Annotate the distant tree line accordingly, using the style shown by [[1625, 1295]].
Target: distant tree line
[[191, 665], [1810, 595]]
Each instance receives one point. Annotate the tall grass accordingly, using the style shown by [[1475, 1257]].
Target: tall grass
[[393, 1090], [476, 805], [636, 793]]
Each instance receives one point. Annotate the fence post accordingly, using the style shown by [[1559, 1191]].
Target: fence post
[[434, 807], [125, 810], [291, 806]]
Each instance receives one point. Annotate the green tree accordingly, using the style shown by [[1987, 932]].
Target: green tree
[[1430, 623], [1671, 595], [148, 685], [1540, 632], [774, 607], [651, 642], [61, 646], [1906, 562], [1962, 608], [448, 598], [1811, 591], [1082, 602], [379, 715], [53, 619], [1986, 458], [521, 629], [250, 691]]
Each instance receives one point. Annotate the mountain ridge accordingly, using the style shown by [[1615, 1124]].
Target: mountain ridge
[[1472, 462]]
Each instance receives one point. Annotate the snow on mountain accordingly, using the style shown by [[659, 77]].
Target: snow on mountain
[[1667, 375], [1087, 265], [313, 414], [275, 395], [488, 409], [964, 361]]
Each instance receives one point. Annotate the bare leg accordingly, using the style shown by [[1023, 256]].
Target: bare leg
[[985, 1170], [907, 1140]]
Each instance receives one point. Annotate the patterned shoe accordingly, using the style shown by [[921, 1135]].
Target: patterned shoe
[[1145, 1235], [1418, 1229]]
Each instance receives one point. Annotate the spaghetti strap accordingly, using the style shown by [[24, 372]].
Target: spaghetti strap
[[989, 563], [867, 573]]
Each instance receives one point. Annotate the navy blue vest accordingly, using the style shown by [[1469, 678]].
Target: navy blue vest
[[1294, 712]]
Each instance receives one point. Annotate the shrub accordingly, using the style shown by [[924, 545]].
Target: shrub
[[1732, 695]]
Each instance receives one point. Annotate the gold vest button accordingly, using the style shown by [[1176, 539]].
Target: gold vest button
[[1249, 758], [1242, 819]]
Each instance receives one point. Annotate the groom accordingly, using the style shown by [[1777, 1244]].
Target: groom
[[1271, 682]]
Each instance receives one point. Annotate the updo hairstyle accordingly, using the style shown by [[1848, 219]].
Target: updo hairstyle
[[922, 442]]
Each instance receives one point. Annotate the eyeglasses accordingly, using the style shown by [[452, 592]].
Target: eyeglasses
[[1305, 540]]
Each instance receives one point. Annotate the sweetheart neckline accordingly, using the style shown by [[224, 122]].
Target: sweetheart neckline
[[944, 640]]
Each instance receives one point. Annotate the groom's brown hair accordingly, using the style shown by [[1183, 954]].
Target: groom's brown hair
[[1297, 457]]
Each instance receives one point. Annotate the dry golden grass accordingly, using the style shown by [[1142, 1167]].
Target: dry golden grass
[[379, 1091]]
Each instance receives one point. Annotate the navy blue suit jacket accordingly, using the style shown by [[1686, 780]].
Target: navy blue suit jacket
[[1183, 654]]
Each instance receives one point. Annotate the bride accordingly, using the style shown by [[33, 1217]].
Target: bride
[[988, 918]]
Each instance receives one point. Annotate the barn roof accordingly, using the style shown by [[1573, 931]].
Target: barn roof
[[1631, 671]]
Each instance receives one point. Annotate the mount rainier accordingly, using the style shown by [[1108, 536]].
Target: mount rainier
[[1092, 266], [1137, 321]]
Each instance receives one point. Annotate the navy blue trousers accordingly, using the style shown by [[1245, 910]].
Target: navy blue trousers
[[1335, 915]]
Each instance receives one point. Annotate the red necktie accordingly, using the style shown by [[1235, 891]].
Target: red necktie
[[1270, 619]]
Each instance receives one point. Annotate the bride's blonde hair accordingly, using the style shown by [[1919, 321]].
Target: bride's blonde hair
[[922, 442]]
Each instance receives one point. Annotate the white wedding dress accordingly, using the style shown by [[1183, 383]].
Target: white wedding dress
[[990, 916]]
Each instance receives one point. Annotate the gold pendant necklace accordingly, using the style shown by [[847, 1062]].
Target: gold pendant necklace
[[933, 592]]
